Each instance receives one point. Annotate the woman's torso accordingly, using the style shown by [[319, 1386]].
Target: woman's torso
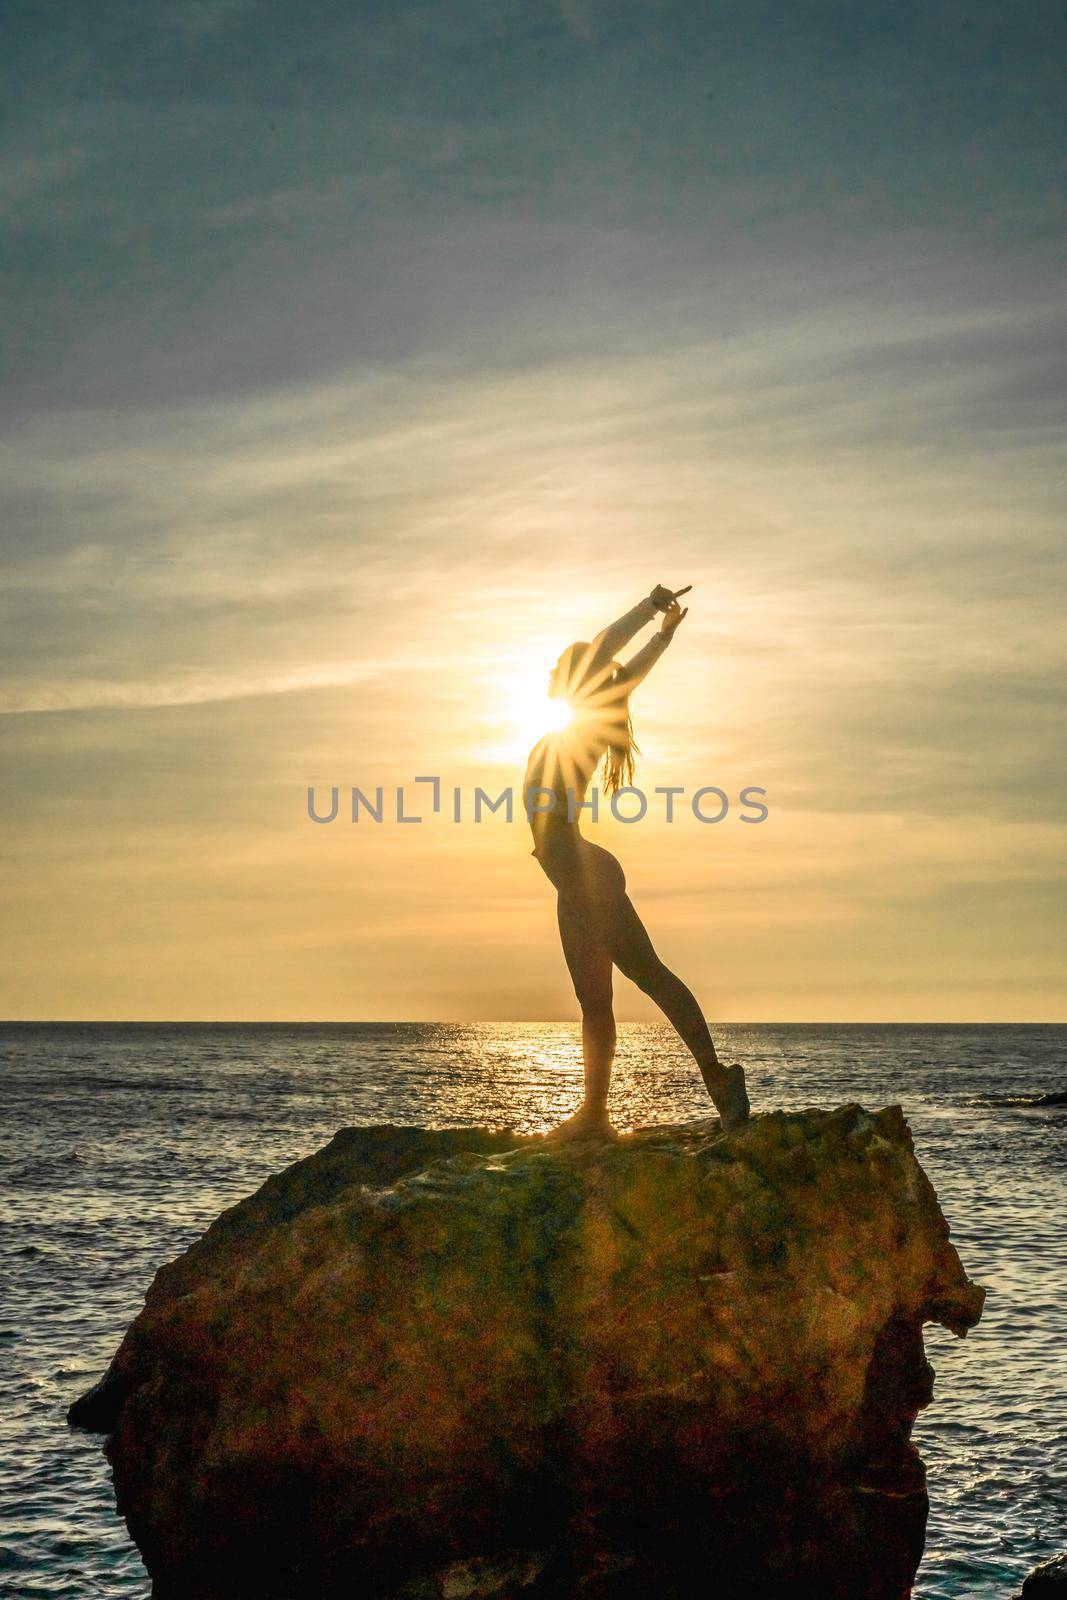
[[557, 777], [563, 764]]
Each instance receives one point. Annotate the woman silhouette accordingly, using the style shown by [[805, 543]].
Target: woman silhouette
[[597, 921]]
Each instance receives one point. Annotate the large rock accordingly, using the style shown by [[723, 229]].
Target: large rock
[[1046, 1582], [462, 1363]]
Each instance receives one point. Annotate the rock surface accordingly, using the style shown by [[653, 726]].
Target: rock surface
[[1046, 1582], [439, 1365]]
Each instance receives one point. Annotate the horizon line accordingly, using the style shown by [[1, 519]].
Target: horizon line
[[451, 1022]]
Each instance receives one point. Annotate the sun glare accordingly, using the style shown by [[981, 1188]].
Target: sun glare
[[533, 714]]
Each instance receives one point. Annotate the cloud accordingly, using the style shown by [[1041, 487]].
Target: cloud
[[850, 576], [90, 695]]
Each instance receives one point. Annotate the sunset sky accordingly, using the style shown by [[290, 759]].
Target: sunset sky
[[361, 356]]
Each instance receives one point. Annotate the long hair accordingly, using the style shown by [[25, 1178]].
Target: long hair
[[608, 706], [618, 763]]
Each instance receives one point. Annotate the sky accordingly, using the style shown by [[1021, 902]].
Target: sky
[[360, 357]]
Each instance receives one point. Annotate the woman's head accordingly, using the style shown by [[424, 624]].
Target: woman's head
[[601, 704], [568, 675]]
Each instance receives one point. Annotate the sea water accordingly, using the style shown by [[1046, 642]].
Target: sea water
[[120, 1144]]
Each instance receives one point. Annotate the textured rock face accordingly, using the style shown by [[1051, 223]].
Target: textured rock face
[[459, 1363], [1047, 1582]]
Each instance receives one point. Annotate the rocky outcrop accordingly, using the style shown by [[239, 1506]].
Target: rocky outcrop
[[1046, 1582], [462, 1363]]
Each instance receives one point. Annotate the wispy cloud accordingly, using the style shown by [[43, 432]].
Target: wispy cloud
[[94, 695]]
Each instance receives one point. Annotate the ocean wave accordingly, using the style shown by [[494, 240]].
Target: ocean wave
[[1026, 1102]]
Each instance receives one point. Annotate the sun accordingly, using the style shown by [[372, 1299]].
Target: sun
[[531, 714]]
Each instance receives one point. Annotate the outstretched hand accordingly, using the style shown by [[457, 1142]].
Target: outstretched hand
[[673, 615], [661, 598]]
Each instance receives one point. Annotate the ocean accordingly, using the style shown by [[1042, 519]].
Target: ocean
[[120, 1143]]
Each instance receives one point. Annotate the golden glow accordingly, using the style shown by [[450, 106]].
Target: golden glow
[[195, 886], [598, 719], [532, 714]]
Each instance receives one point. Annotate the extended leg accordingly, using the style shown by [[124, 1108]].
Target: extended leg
[[635, 956]]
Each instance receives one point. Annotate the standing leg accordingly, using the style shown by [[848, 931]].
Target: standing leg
[[589, 963], [635, 956]]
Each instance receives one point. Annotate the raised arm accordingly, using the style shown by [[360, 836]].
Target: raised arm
[[641, 664], [609, 641]]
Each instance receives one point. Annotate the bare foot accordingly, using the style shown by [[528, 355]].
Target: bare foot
[[730, 1097], [584, 1124]]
